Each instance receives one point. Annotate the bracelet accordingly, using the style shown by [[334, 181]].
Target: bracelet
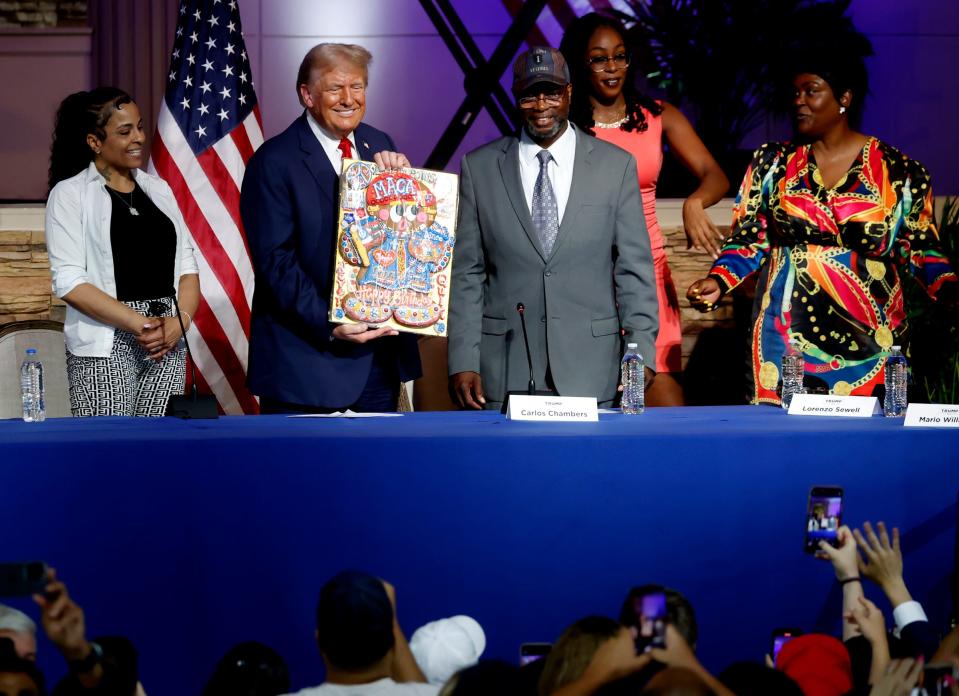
[[183, 311], [846, 581]]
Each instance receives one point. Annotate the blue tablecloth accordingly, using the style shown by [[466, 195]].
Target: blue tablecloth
[[190, 536]]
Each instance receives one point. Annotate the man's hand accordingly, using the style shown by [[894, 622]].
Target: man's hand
[[362, 333], [899, 678], [704, 294], [467, 390], [677, 652], [62, 620], [391, 160], [614, 659], [844, 559], [883, 561], [869, 620], [701, 233]]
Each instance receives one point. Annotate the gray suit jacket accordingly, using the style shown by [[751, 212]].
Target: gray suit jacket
[[598, 279]]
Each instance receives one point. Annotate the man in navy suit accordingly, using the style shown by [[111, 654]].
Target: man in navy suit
[[299, 361]]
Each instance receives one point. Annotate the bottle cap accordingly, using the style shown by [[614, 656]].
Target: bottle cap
[[31, 351], [632, 345], [897, 347]]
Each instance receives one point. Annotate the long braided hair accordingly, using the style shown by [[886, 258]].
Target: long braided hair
[[574, 46], [79, 115]]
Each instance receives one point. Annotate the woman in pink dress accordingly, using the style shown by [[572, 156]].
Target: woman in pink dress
[[606, 104]]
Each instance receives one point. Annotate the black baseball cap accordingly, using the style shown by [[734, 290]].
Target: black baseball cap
[[539, 64]]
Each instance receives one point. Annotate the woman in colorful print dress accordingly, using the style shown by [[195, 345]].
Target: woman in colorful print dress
[[829, 222], [606, 104]]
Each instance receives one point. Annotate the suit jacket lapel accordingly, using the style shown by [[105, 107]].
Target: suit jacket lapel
[[509, 170], [316, 160], [581, 163], [363, 149]]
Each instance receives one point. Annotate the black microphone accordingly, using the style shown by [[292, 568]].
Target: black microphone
[[531, 387], [195, 406], [521, 308]]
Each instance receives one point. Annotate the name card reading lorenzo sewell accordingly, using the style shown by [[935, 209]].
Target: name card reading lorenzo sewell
[[552, 408], [932, 415], [829, 405]]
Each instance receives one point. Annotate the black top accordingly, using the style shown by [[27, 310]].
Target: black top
[[144, 247]]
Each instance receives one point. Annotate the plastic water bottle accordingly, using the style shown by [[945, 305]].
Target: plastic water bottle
[[633, 378], [897, 379], [793, 368], [31, 388]]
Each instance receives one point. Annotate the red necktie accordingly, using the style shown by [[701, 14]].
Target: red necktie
[[346, 148]]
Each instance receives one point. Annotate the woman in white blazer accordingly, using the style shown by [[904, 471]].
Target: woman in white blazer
[[119, 253]]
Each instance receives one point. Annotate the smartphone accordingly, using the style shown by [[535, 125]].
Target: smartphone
[[530, 652], [22, 579], [823, 517], [779, 637], [651, 611]]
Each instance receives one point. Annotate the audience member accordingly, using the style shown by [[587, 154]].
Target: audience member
[[880, 560], [679, 611], [361, 642], [249, 669], [677, 681], [20, 629], [18, 677], [485, 679], [442, 648], [820, 665], [574, 650], [900, 679], [754, 679]]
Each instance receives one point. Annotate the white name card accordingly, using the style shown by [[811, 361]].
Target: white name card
[[829, 405], [932, 416], [552, 408]]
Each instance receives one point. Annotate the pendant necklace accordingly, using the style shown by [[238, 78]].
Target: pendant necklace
[[133, 211]]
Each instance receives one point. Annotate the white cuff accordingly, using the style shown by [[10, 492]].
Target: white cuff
[[907, 613]]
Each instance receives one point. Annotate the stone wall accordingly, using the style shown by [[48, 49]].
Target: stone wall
[[24, 268], [43, 13]]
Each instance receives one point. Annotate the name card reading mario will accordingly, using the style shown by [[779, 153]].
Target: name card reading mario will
[[552, 408], [932, 416], [828, 405]]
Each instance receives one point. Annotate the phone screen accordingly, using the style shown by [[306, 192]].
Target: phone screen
[[21, 579], [531, 652], [823, 517], [779, 639], [651, 610]]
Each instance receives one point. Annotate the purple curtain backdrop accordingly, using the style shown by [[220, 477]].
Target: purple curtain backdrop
[[131, 49]]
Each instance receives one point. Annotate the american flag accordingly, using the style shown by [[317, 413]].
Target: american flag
[[208, 128]]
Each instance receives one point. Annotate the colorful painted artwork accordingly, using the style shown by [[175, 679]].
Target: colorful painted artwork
[[395, 248]]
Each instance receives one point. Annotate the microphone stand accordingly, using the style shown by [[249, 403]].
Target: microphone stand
[[196, 406], [531, 385]]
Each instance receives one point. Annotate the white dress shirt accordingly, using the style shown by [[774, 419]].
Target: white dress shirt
[[907, 613], [330, 143], [560, 169]]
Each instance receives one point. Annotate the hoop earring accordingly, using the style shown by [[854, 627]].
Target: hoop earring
[[842, 112]]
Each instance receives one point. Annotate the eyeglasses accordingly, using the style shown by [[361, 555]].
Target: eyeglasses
[[599, 63], [554, 98]]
